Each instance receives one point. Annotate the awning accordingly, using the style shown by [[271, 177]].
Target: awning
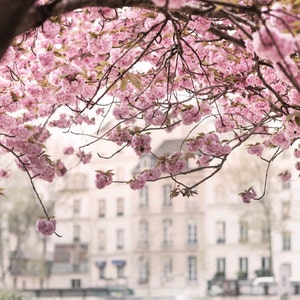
[[100, 264], [119, 262], [295, 280], [263, 280]]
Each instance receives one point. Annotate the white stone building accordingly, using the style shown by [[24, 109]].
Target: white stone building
[[168, 247]]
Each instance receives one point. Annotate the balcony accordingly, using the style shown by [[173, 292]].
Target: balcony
[[219, 275], [263, 273], [242, 275], [67, 268]]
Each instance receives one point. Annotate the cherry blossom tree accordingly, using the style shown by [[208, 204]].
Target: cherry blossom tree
[[227, 69]]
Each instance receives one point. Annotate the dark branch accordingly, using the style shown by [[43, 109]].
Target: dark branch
[[11, 14], [19, 16]]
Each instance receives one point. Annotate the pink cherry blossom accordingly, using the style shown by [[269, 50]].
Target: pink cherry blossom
[[152, 174], [60, 168], [116, 78], [68, 150], [103, 179], [171, 3], [84, 157], [141, 144], [285, 176], [256, 149], [270, 43], [173, 163], [46, 227], [138, 182], [248, 195]]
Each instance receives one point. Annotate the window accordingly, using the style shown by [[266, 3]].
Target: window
[[76, 261], [101, 267], [102, 272], [192, 268], [120, 238], [143, 233], [220, 232], [286, 210], [167, 232], [286, 185], [145, 162], [243, 268], [167, 200], [286, 241], [120, 207], [101, 239], [143, 270], [192, 232], [75, 283], [221, 267], [62, 254], [143, 200], [120, 267], [101, 208], [265, 232], [76, 206], [243, 231], [76, 236], [121, 271], [265, 266], [167, 269]]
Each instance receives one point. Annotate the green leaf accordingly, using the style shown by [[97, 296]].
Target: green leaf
[[135, 80], [123, 84], [297, 120]]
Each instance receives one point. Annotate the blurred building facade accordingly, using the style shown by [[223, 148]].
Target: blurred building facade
[[158, 246]]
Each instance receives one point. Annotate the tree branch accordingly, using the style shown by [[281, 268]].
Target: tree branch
[[20, 16], [11, 14]]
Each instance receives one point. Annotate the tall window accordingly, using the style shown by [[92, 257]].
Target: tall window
[[120, 238], [76, 233], [102, 208], [192, 232], [265, 232], [143, 197], [192, 268], [145, 162], [167, 268], [167, 200], [243, 268], [76, 206], [75, 283], [221, 266], [221, 234], [286, 185], [121, 271], [243, 231], [286, 241], [102, 272], [120, 207], [143, 233], [286, 210], [101, 239], [266, 266], [143, 270], [167, 232]]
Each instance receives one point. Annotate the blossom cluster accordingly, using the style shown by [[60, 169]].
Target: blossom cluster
[[223, 80], [46, 226], [248, 195], [103, 179]]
